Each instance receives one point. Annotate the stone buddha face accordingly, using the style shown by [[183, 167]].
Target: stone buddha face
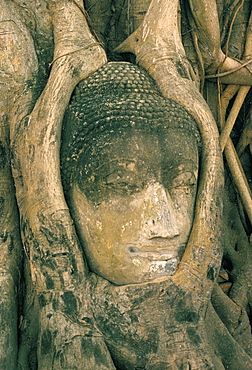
[[133, 202]]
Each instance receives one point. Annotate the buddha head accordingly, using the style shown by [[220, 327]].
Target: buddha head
[[130, 167]]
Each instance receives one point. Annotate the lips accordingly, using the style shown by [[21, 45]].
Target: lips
[[153, 255]]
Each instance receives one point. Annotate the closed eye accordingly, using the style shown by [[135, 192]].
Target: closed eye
[[125, 181]]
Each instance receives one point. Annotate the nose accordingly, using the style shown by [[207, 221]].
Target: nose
[[158, 219]]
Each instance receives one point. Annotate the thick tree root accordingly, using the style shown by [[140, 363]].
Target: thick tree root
[[54, 256], [160, 51]]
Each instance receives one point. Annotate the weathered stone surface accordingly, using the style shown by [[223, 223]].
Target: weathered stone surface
[[118, 94]]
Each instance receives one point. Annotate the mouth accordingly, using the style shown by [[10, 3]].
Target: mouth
[[153, 255], [159, 263]]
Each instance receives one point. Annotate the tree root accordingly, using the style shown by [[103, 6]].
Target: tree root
[[232, 158], [54, 256], [232, 355], [160, 51]]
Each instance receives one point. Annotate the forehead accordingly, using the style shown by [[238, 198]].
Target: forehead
[[141, 146], [145, 153], [133, 158]]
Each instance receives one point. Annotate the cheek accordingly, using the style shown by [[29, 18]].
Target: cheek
[[119, 220], [184, 203], [109, 224]]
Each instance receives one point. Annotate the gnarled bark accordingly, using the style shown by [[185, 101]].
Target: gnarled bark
[[55, 260]]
